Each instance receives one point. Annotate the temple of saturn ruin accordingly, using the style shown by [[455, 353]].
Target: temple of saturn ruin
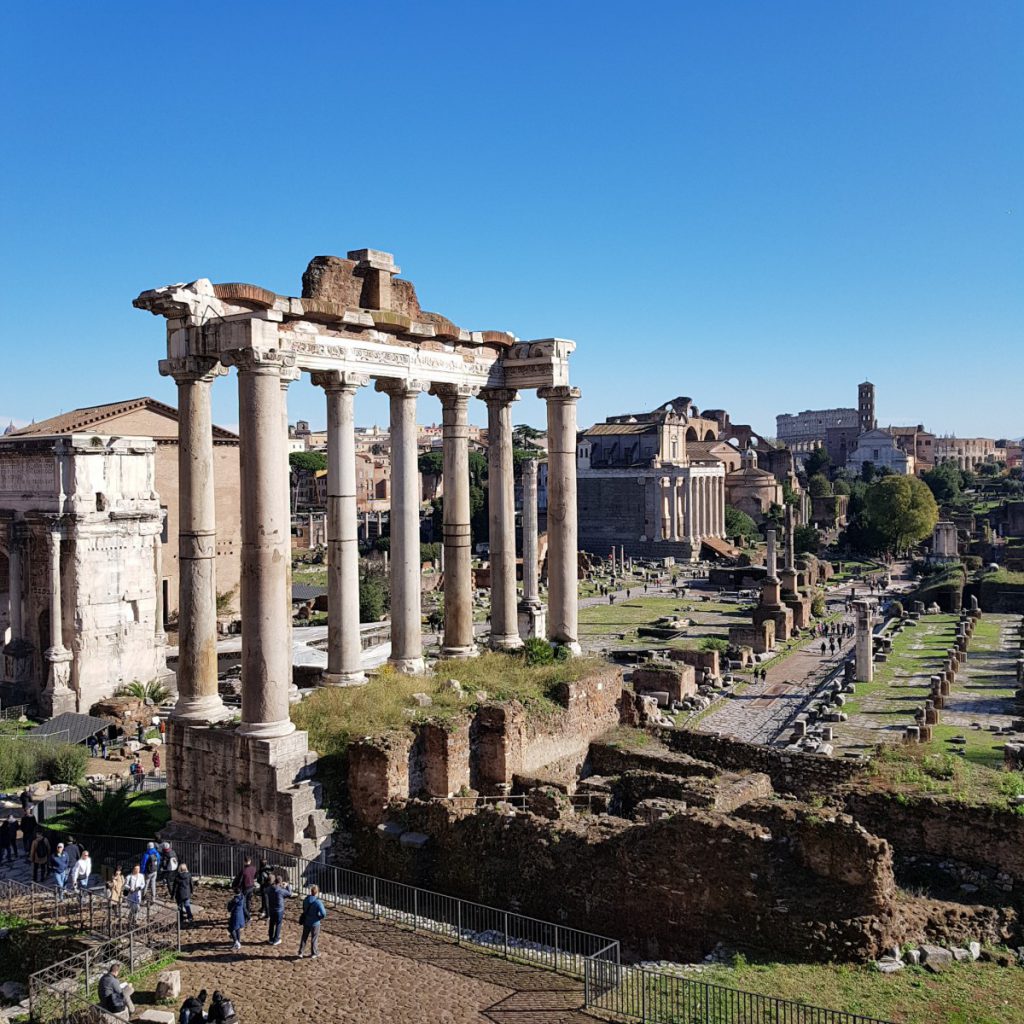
[[356, 321]]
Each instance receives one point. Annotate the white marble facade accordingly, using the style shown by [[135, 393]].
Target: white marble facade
[[80, 548]]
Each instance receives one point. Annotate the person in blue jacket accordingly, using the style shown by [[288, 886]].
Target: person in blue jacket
[[313, 912], [238, 918], [279, 892], [60, 866]]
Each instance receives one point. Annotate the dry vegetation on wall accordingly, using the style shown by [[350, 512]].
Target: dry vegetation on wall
[[334, 716]]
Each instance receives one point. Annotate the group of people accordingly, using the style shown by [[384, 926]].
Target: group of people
[[115, 997], [70, 865], [274, 891], [158, 865]]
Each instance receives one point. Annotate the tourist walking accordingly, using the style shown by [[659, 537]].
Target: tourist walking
[[168, 865], [192, 1011], [279, 892], [222, 1010], [134, 885], [115, 996], [72, 851], [313, 912], [265, 878], [8, 839], [28, 831], [181, 892], [39, 855], [156, 761], [81, 873], [238, 918], [92, 746], [116, 888], [26, 800], [150, 866], [245, 883], [59, 864]]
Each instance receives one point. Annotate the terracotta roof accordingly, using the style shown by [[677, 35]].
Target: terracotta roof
[[615, 429], [708, 447], [94, 416]]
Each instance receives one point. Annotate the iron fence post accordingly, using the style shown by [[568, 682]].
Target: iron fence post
[[375, 914], [177, 932], [505, 932], [131, 951], [415, 909], [458, 934], [87, 974], [65, 1008], [557, 947]]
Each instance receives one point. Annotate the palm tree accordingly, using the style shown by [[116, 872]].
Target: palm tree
[[151, 692], [113, 814]]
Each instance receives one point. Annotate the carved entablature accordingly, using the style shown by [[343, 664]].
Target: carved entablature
[[331, 328]]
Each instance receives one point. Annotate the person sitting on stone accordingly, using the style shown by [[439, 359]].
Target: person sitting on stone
[[192, 1011], [222, 1010], [115, 996]]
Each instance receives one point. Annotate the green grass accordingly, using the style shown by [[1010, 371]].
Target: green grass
[[975, 993], [334, 716], [314, 575], [153, 802]]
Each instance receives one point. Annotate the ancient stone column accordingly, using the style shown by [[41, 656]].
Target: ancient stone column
[[289, 374], [679, 511], [198, 699], [864, 653], [406, 627], [344, 646], [531, 611], [790, 540], [15, 583], [266, 548], [688, 510], [458, 552], [502, 519], [562, 526], [58, 696], [720, 522], [666, 508]]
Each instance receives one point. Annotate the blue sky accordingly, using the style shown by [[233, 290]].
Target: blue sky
[[754, 204]]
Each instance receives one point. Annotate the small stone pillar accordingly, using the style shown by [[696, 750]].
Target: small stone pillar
[[863, 647]]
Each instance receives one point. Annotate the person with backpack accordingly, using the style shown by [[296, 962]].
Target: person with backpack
[[265, 880], [192, 1009], [39, 854], [134, 885], [149, 864], [222, 1010], [238, 918], [181, 892], [168, 865], [313, 912]]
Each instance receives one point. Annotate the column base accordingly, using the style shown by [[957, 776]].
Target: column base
[[506, 642], [410, 666], [343, 679], [266, 730], [200, 709], [532, 621], [460, 652]]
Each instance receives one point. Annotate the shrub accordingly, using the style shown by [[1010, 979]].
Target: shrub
[[714, 643], [373, 598], [818, 608], [537, 651], [25, 761], [972, 562], [895, 610], [67, 763]]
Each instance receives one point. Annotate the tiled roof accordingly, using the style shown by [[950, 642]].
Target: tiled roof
[[615, 429], [94, 416]]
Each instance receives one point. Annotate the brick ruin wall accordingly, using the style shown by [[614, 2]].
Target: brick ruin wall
[[777, 877], [483, 751]]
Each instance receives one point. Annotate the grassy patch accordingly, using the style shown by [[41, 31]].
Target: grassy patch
[[334, 716], [976, 993], [153, 802]]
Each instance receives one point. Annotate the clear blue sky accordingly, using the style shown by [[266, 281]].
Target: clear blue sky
[[754, 204]]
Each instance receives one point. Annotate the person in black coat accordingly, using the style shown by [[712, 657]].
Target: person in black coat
[[222, 1010], [28, 831], [181, 890], [8, 839], [192, 1009]]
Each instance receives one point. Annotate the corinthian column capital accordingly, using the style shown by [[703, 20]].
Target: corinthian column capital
[[263, 361], [499, 396], [454, 393], [340, 380], [195, 369], [399, 388]]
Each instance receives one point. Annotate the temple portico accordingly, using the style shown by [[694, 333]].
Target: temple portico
[[356, 322]]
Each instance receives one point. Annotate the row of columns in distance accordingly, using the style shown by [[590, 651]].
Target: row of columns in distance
[[692, 506], [266, 527]]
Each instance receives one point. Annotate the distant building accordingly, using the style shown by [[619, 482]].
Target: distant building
[[880, 448], [650, 483], [966, 452], [804, 431], [1009, 452], [751, 489]]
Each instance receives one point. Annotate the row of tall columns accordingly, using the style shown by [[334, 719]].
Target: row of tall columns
[[15, 581], [691, 507], [265, 597]]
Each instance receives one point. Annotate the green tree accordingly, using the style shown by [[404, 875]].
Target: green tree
[[312, 462], [841, 487], [817, 462], [431, 463], [373, 597], [945, 481], [903, 511], [867, 471], [477, 468], [819, 486], [738, 523], [806, 540]]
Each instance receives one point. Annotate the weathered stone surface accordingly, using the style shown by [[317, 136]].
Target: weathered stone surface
[[935, 958], [168, 985]]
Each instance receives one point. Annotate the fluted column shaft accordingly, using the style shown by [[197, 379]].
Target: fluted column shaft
[[531, 570], [502, 519], [344, 646], [56, 609], [15, 583], [666, 508], [688, 518], [198, 699], [266, 549], [406, 626], [458, 553], [562, 524]]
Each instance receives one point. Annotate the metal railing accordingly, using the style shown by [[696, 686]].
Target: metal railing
[[657, 997], [14, 712], [66, 991], [628, 992]]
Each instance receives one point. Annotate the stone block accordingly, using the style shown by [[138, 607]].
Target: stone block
[[168, 985], [157, 1016], [935, 958]]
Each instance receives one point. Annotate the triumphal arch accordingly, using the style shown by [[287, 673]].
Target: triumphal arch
[[355, 322]]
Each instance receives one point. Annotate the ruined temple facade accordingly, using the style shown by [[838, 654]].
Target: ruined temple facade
[[651, 483], [356, 321], [80, 556]]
